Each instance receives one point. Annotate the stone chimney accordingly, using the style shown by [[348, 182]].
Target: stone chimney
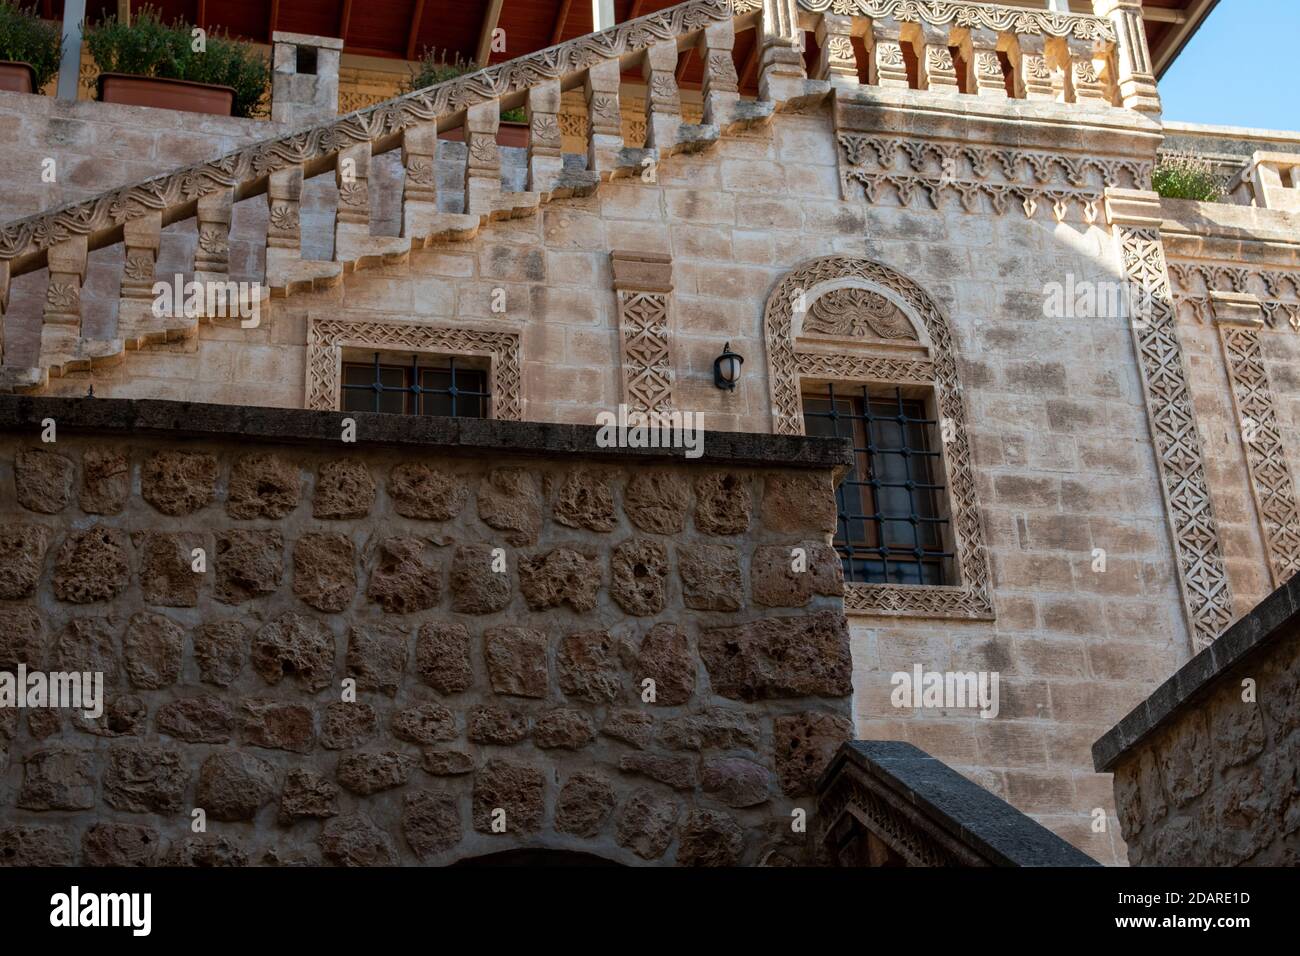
[[305, 81]]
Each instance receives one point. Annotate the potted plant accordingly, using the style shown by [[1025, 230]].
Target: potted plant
[[150, 63], [29, 49], [433, 69]]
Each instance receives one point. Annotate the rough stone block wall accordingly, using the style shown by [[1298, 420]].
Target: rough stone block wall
[[475, 691], [1218, 784]]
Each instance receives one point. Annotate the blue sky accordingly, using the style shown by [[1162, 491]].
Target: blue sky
[[1240, 68]]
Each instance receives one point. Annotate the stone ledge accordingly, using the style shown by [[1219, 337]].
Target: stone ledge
[[195, 420], [979, 820], [1273, 619]]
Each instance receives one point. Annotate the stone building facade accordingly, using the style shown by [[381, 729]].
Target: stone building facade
[[1112, 484]]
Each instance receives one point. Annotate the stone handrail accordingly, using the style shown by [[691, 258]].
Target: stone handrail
[[1064, 57]]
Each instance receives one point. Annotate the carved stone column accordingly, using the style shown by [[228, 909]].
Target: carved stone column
[[420, 184], [984, 67], [1033, 72], [214, 214], [545, 157], [604, 118], [286, 270], [721, 89], [483, 163], [888, 67], [837, 62], [1137, 82], [781, 70], [663, 101], [61, 319], [643, 282], [141, 239], [1087, 75], [1135, 219], [934, 59], [1239, 318]]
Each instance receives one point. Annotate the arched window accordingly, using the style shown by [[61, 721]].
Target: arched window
[[857, 350]]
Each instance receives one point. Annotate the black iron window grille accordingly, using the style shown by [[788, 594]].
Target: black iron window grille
[[440, 387], [892, 527]]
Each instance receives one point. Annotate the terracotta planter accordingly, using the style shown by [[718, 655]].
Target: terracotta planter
[[17, 77], [165, 94], [508, 134]]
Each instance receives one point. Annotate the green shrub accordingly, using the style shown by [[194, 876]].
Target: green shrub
[[26, 38], [148, 47], [1183, 176]]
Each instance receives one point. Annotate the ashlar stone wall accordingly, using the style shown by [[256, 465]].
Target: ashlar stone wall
[[499, 615]]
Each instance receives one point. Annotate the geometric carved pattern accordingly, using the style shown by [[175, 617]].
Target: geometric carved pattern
[[786, 365], [1207, 596], [1270, 475], [999, 18], [1278, 291], [981, 177], [647, 363], [327, 338]]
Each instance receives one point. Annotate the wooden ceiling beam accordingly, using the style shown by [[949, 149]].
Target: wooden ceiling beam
[[637, 6], [560, 20], [416, 16], [270, 21], [490, 21], [344, 20]]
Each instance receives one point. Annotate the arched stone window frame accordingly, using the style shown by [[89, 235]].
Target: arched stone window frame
[[931, 363]]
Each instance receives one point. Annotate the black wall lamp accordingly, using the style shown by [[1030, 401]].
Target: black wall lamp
[[726, 368]]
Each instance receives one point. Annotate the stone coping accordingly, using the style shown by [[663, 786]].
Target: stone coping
[[1273, 619], [475, 436], [973, 816]]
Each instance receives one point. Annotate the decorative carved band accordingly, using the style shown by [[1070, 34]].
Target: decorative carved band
[[976, 16], [1270, 474], [1278, 291], [1029, 179], [1204, 582], [786, 365], [326, 339], [647, 359]]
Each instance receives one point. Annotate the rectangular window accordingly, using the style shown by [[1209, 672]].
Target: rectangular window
[[424, 386], [892, 525]]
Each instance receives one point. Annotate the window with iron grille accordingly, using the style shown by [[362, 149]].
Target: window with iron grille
[[892, 516], [425, 385]]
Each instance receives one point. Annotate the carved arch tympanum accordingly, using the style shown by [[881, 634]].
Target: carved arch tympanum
[[872, 354]]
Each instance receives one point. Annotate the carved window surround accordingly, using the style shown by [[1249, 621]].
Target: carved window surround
[[643, 282], [1207, 597], [328, 337], [1239, 318], [924, 355]]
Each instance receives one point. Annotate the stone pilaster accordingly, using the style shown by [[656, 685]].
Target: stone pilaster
[[545, 157], [604, 118], [836, 62], [888, 66], [721, 89], [61, 318], [934, 59], [483, 164], [420, 183], [214, 212], [1134, 75], [663, 99], [643, 282]]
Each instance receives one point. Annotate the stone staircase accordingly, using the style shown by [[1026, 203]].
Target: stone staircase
[[999, 52]]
